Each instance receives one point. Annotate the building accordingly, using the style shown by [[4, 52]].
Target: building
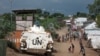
[[67, 21], [24, 18]]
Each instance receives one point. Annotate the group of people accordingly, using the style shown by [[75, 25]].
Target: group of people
[[62, 38], [72, 48], [72, 36]]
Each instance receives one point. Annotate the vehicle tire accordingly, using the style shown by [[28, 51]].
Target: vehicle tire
[[25, 44], [49, 50]]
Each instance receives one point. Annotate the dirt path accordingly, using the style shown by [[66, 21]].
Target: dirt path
[[62, 48], [61, 32]]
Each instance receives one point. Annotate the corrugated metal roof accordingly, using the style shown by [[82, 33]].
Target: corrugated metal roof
[[24, 11]]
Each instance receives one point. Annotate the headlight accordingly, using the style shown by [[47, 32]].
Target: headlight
[[23, 44], [49, 46]]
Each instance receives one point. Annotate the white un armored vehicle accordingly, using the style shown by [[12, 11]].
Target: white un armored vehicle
[[36, 40]]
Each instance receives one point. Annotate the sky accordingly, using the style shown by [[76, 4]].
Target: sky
[[67, 7]]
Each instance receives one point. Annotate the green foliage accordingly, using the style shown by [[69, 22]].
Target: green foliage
[[6, 25], [80, 14], [7, 16], [57, 15], [91, 17], [98, 20], [51, 24], [94, 8], [38, 11], [46, 14]]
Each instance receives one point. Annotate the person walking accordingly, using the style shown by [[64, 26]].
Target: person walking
[[82, 49], [69, 49], [72, 47]]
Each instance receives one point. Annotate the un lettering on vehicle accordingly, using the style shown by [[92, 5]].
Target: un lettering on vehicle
[[36, 42]]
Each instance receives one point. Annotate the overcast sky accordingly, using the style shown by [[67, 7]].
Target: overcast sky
[[63, 6]]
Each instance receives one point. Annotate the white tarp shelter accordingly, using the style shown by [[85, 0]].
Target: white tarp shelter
[[80, 20], [91, 26], [93, 33]]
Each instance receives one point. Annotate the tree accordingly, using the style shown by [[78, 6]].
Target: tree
[[46, 14], [38, 11], [6, 25], [94, 8], [57, 15], [4, 28], [91, 8], [7, 16], [80, 14]]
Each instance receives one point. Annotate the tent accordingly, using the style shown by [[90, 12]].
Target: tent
[[80, 20], [91, 26], [93, 33]]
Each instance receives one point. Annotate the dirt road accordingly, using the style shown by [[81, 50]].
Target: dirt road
[[62, 47], [62, 31]]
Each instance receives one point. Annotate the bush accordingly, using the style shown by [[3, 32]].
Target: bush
[[98, 20], [5, 27]]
